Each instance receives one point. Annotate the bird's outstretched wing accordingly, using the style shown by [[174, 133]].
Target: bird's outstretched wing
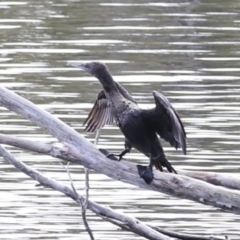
[[100, 115], [166, 122]]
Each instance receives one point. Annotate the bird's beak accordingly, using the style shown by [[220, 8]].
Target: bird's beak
[[77, 65]]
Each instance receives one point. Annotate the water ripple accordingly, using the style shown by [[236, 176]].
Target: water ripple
[[187, 50]]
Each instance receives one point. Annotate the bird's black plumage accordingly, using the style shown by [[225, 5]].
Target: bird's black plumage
[[139, 126]]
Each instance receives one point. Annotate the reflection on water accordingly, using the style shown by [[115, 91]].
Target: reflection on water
[[189, 51]]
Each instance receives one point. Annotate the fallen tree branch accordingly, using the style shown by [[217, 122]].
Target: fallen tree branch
[[81, 151], [180, 236], [217, 179], [185, 236], [121, 220], [124, 225], [137, 226]]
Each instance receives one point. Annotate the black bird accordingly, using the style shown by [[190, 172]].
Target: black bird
[[139, 126]]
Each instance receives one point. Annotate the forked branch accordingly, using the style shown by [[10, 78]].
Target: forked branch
[[121, 220], [80, 151]]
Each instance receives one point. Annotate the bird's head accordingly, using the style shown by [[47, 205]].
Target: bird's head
[[94, 68]]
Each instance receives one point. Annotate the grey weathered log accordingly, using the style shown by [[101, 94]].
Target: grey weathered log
[[137, 226], [218, 179], [82, 152]]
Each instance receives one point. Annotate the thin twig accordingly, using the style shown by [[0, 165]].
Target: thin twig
[[97, 137], [86, 188], [81, 201]]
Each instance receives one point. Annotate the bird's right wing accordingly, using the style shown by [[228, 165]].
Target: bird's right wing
[[100, 115]]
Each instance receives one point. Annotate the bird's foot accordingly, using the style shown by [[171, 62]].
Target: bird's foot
[[145, 173], [120, 155], [114, 156], [109, 155]]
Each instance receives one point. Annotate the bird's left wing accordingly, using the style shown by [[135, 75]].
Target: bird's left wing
[[166, 122]]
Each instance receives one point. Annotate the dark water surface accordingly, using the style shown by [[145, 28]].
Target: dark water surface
[[188, 50]]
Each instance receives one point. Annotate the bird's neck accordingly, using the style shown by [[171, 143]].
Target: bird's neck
[[108, 83]]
